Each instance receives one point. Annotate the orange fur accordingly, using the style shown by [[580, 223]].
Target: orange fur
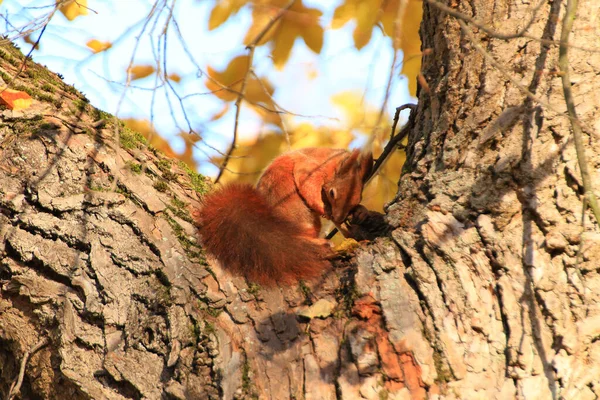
[[269, 234]]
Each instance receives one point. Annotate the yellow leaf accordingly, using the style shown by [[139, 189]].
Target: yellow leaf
[[366, 18], [174, 77], [234, 73], [227, 84], [371, 13], [140, 71], [313, 38], [261, 17], [98, 46], [282, 45], [297, 21], [343, 14], [221, 112], [73, 9], [349, 102], [222, 11]]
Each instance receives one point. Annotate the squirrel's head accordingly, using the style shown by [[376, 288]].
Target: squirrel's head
[[344, 191]]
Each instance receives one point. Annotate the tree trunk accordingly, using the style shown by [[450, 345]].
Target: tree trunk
[[487, 287]]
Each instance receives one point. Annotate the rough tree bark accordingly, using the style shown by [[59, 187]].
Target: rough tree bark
[[487, 288]]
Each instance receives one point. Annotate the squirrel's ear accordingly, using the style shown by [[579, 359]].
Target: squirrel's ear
[[366, 163], [350, 163]]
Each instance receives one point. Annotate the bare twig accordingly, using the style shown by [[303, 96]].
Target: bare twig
[[238, 103], [396, 46], [389, 147], [563, 63], [28, 56], [149, 17], [394, 140], [16, 385]]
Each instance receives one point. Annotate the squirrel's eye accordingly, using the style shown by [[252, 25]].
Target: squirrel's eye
[[332, 193]]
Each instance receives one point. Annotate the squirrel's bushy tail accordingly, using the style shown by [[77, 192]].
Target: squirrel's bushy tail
[[243, 232]]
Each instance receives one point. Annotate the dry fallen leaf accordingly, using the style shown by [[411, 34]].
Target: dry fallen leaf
[[14, 99]]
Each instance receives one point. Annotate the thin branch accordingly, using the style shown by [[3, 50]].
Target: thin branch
[[389, 147], [563, 63], [396, 43], [394, 140], [277, 106], [28, 56], [238, 103], [16, 385]]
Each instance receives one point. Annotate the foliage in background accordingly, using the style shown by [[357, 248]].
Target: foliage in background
[[279, 25]]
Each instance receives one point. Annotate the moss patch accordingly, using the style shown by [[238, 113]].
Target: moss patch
[[191, 248], [161, 185], [199, 182], [134, 167], [132, 139]]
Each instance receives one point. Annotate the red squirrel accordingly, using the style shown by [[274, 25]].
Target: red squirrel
[[269, 234]]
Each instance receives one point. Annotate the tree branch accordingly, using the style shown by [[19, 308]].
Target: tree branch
[[563, 63], [16, 386], [389, 147], [238, 103]]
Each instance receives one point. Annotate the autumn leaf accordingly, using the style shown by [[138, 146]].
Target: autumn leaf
[[258, 92], [369, 14], [73, 9], [366, 13], [297, 22], [14, 99], [97, 46], [140, 71], [219, 114], [222, 11], [174, 77], [29, 39], [227, 84]]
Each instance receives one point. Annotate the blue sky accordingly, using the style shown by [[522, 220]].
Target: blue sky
[[101, 77]]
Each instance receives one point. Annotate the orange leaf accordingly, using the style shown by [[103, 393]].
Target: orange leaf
[[29, 39], [140, 71], [73, 9], [14, 99], [221, 112], [98, 46], [174, 77]]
